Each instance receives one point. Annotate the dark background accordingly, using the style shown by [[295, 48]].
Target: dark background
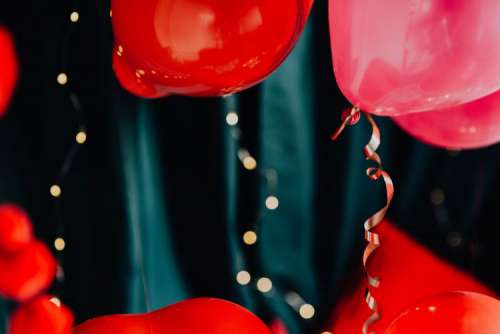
[[158, 184]]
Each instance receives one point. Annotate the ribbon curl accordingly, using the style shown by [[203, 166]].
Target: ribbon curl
[[351, 117]]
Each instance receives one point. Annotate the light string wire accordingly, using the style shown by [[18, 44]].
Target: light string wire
[[250, 237], [350, 118], [56, 189]]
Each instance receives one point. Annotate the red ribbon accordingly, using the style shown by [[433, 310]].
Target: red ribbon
[[351, 117]]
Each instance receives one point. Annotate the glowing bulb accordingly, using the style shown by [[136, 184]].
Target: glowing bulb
[[326, 332], [56, 301], [55, 190], [59, 244], [243, 277], [249, 163], [232, 118], [250, 237], [307, 311], [272, 202], [62, 79], [74, 17], [81, 137], [264, 285]]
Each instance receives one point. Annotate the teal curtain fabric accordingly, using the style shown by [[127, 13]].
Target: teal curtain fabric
[[156, 202]]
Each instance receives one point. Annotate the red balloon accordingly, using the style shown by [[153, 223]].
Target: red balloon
[[26, 273], [41, 316], [472, 125], [452, 312], [408, 272], [392, 57], [15, 228], [202, 315], [8, 69], [202, 47]]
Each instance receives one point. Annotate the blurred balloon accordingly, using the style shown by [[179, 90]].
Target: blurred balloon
[[202, 47], [26, 273], [42, 315], [15, 228], [408, 273], [8, 69], [452, 312], [202, 315], [471, 125], [393, 57]]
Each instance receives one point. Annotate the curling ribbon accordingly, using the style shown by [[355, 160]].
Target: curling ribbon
[[351, 117]]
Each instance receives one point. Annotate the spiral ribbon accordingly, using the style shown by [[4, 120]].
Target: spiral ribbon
[[351, 117]]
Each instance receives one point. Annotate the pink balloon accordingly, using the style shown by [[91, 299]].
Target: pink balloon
[[471, 125], [393, 57]]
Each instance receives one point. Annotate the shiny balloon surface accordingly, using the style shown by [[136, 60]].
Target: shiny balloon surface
[[393, 57]]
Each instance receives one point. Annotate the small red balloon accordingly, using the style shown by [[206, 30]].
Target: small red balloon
[[26, 273], [471, 125], [8, 69], [41, 316], [202, 315], [202, 47], [452, 312], [15, 228], [408, 271]]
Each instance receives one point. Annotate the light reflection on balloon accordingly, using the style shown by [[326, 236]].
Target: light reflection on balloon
[[202, 47]]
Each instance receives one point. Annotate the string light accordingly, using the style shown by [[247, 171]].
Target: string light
[[62, 78], [250, 163], [81, 137], [272, 202], [232, 118], [55, 191], [307, 311], [264, 285], [243, 277], [74, 16], [59, 244], [250, 238], [56, 301]]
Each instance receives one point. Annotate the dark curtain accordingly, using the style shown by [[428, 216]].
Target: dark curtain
[[157, 194]]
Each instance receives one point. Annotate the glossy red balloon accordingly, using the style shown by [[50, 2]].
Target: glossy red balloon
[[451, 312], [200, 316], [26, 273], [392, 57], [202, 47], [8, 69], [472, 125], [15, 228], [409, 272], [41, 316]]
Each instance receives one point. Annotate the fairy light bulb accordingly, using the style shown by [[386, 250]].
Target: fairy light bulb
[[59, 244], [56, 301], [307, 311], [250, 238], [264, 285], [243, 277], [62, 78], [232, 118], [55, 190], [74, 17], [272, 202], [81, 137]]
